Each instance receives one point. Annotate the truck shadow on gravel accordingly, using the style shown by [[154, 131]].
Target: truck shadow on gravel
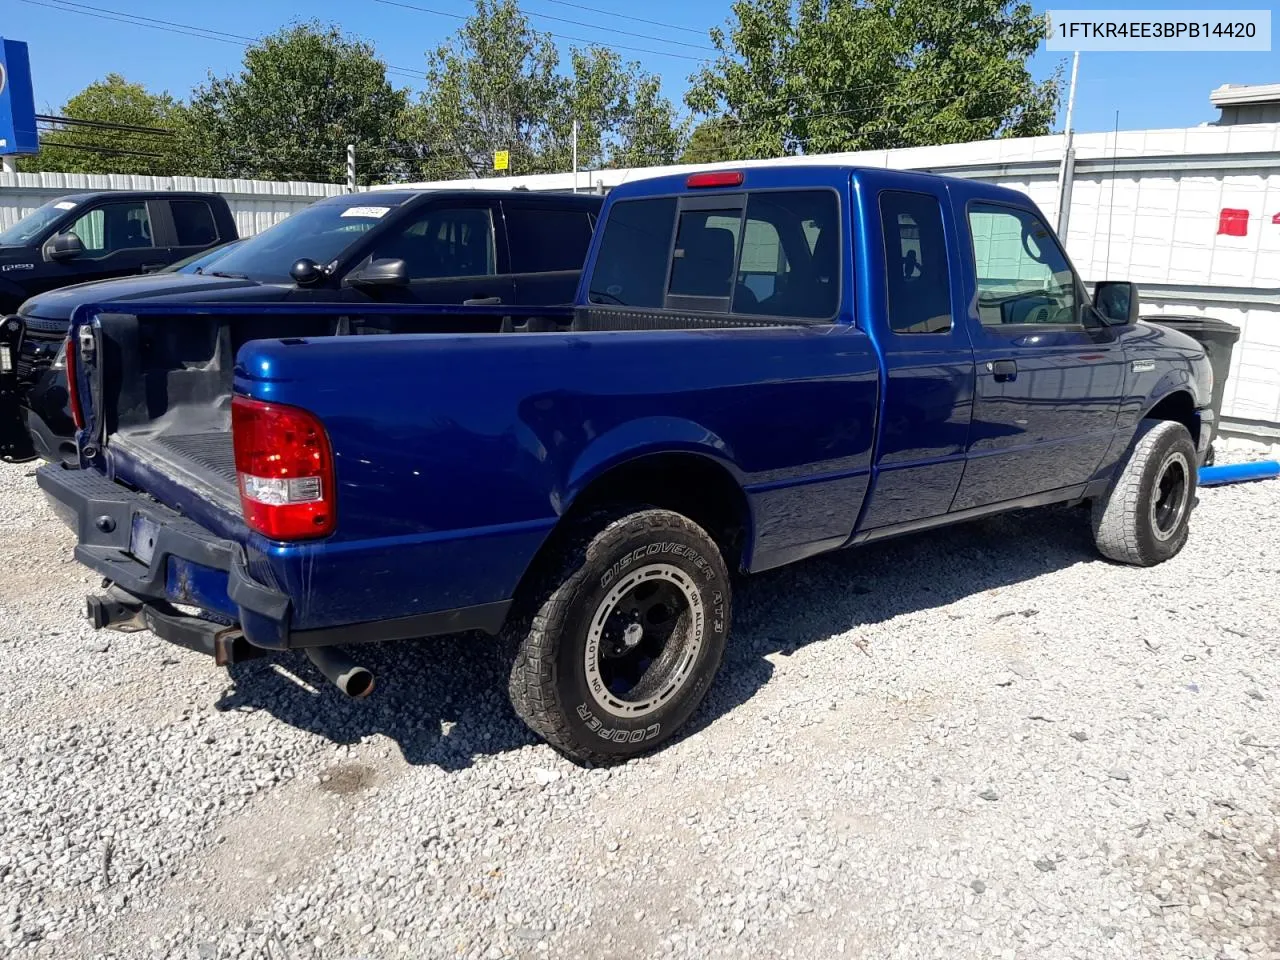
[[443, 700]]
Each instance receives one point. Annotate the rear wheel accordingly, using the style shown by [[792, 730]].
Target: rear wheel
[[1143, 519], [627, 636]]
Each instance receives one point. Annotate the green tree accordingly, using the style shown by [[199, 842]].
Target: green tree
[[714, 139], [816, 76], [497, 85], [303, 94], [88, 148]]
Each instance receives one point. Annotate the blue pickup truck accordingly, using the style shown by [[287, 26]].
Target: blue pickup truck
[[761, 365]]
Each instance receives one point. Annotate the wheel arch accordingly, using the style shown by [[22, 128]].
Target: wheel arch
[[1177, 404], [694, 480]]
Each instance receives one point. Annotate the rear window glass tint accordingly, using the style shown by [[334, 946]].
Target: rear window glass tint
[[631, 266], [704, 254], [545, 240], [790, 264], [193, 222]]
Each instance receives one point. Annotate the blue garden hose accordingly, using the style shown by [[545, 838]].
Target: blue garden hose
[[1239, 472]]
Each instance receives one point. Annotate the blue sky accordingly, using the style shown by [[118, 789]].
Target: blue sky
[[69, 50]]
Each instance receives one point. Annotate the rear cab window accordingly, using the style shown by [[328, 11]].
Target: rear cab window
[[547, 240], [193, 223], [768, 253]]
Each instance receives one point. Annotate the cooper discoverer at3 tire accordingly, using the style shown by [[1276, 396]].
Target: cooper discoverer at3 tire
[[626, 638], [1144, 517]]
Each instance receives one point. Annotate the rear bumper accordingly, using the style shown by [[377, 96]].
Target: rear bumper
[[186, 564]]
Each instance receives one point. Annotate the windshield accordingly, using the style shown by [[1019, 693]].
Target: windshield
[[30, 226], [319, 232], [198, 261]]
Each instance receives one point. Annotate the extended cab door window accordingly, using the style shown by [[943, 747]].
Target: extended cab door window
[[1022, 274], [918, 282]]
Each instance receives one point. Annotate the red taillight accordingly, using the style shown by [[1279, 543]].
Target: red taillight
[[285, 470], [73, 383], [716, 178]]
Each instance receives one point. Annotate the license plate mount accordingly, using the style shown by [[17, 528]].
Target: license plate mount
[[142, 537]]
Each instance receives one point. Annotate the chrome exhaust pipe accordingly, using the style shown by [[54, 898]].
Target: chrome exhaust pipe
[[343, 672]]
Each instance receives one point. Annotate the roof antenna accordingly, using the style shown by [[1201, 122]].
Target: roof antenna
[[1111, 207]]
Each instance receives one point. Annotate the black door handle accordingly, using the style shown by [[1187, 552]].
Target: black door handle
[[1005, 370], [482, 302]]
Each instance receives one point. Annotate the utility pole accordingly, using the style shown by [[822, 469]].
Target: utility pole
[[575, 155], [1066, 172], [351, 168]]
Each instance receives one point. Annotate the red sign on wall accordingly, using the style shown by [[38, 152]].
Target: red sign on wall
[[1233, 223]]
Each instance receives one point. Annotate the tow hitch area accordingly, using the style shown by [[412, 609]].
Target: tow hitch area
[[117, 609], [15, 441]]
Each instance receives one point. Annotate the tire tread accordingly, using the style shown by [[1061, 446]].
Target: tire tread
[[1116, 517], [531, 687]]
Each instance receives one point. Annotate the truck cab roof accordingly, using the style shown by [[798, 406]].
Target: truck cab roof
[[801, 175]]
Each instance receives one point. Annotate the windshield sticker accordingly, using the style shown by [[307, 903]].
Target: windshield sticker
[[64, 205], [374, 212]]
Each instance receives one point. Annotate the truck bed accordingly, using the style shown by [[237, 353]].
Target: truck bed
[[168, 383], [202, 459]]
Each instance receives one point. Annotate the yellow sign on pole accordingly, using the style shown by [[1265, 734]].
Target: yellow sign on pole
[[501, 159]]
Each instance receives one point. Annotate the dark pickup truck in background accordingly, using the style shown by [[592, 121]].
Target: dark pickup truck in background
[[761, 366], [85, 237], [112, 233], [383, 247]]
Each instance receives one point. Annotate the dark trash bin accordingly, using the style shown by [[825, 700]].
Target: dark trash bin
[[1217, 337]]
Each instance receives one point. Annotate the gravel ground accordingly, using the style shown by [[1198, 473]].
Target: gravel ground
[[984, 742]]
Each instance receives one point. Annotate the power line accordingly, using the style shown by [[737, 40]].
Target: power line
[[559, 36], [623, 16], [182, 29], [93, 148], [102, 125], [629, 33]]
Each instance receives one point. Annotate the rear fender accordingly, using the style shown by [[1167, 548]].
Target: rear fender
[[640, 438]]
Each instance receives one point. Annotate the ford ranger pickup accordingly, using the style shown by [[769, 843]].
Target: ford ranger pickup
[[761, 365]]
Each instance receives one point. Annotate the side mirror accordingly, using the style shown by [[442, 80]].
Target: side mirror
[[305, 272], [65, 246], [1116, 300], [382, 273]]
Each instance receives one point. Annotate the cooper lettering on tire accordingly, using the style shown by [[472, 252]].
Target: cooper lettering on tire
[[627, 637]]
